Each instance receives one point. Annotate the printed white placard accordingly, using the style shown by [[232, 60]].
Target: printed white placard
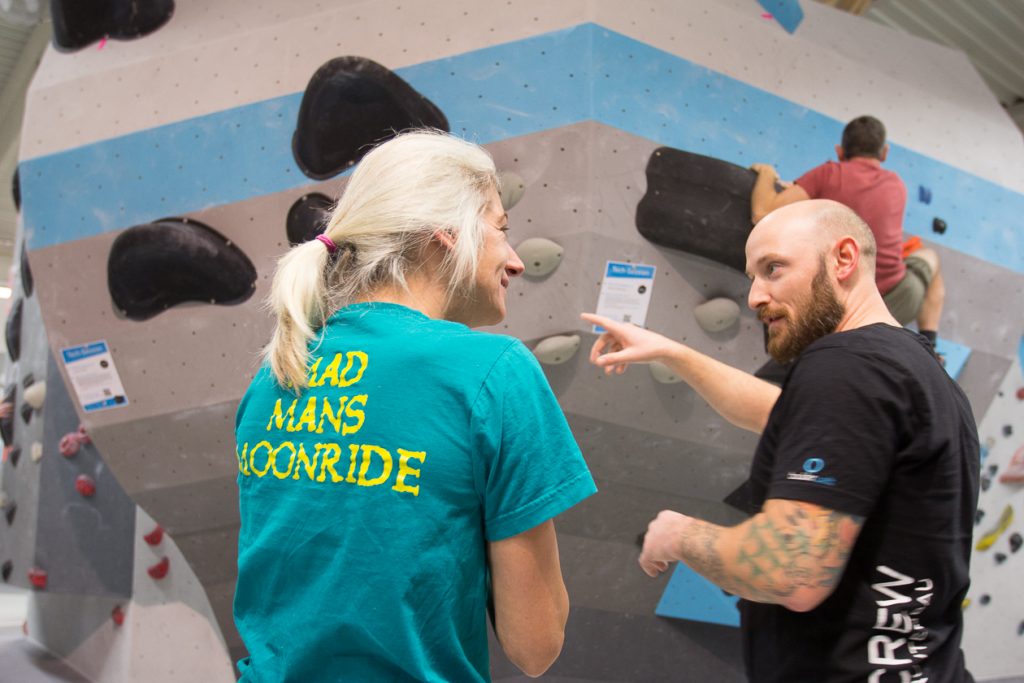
[[625, 293], [93, 376]]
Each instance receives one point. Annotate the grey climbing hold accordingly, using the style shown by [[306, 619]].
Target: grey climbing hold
[[35, 395], [718, 314], [558, 349], [661, 373], [512, 189], [540, 255]]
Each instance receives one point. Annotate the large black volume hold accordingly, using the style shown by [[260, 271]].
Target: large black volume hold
[[155, 266], [697, 204], [351, 104]]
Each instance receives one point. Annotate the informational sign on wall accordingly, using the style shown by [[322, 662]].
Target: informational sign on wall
[[625, 293], [93, 375]]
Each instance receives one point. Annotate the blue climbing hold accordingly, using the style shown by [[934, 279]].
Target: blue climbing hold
[[689, 595]]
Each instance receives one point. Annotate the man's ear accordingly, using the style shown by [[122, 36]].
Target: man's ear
[[445, 237], [885, 152], [840, 153], [847, 256]]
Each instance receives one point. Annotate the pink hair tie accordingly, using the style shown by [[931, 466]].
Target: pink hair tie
[[328, 242]]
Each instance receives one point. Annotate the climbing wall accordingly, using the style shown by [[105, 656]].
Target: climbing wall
[[162, 177], [995, 620]]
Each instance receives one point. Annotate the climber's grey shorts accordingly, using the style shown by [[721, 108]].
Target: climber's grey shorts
[[905, 299]]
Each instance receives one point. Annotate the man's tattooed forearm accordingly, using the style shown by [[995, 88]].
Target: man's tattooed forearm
[[775, 554]]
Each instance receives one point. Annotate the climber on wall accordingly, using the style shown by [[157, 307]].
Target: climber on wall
[[913, 287]]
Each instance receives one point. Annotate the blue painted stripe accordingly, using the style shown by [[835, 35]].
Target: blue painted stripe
[[544, 82]]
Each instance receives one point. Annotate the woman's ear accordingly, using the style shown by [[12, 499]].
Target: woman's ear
[[445, 237]]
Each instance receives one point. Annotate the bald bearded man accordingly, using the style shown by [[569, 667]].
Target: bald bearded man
[[854, 563]]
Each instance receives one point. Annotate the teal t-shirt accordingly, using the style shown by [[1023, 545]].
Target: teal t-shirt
[[366, 502]]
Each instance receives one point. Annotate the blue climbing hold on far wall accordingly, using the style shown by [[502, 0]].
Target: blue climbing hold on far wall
[[954, 355], [787, 12], [924, 195]]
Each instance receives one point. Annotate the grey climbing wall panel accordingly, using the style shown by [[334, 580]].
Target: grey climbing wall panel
[[651, 446]]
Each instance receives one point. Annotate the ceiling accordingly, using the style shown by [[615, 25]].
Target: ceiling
[[991, 32]]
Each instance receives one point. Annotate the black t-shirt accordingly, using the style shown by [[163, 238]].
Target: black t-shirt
[[870, 424]]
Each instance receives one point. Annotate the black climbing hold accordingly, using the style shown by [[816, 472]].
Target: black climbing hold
[[9, 513], [350, 104], [1015, 542], [992, 469], [1020, 629], [26, 412], [939, 226], [5, 570], [16, 189], [14, 455], [986, 482], [26, 271], [978, 516], [7, 423], [1007, 430], [697, 204], [155, 266], [77, 23], [14, 331], [308, 217], [1000, 558], [985, 599], [28, 380]]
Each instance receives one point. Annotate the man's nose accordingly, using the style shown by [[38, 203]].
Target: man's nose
[[758, 295]]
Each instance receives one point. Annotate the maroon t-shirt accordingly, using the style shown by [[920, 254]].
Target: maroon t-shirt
[[876, 195]]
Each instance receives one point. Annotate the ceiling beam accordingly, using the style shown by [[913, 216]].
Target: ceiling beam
[[857, 7]]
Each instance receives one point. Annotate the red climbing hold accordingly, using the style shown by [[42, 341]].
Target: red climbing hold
[[155, 536], [69, 444], [1014, 472], [38, 577], [85, 485], [1020, 394], [159, 570], [83, 435], [117, 614], [7, 453]]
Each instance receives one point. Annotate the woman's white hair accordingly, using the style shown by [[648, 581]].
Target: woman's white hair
[[400, 194]]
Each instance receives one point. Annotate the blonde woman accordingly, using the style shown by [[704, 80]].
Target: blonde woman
[[398, 470]]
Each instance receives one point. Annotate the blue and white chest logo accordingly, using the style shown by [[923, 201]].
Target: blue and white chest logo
[[811, 469]]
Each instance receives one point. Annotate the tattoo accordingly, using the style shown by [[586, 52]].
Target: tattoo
[[785, 548]]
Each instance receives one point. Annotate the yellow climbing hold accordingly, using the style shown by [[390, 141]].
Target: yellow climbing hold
[[1005, 520]]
